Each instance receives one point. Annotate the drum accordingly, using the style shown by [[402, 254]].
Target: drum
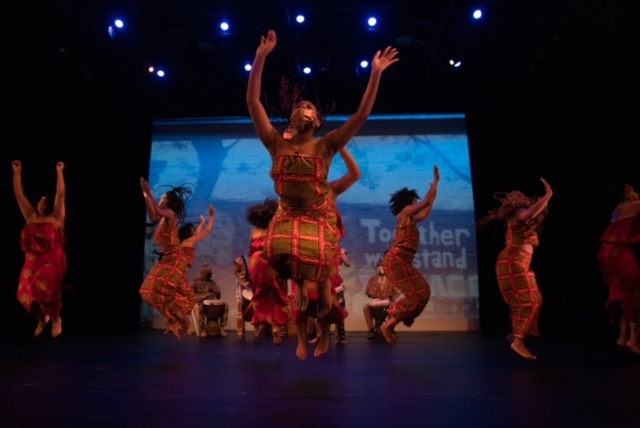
[[247, 295], [213, 309]]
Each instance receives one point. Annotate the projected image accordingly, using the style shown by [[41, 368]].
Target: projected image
[[227, 166]]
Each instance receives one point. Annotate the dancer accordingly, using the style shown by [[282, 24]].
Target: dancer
[[303, 235], [618, 261], [165, 287], [42, 239], [524, 218], [397, 261], [270, 304]]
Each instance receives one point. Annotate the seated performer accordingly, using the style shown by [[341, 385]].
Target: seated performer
[[208, 308], [382, 294], [303, 235]]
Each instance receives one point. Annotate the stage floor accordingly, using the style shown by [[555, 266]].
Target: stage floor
[[449, 379]]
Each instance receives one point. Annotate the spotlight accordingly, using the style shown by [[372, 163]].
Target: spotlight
[[300, 19]]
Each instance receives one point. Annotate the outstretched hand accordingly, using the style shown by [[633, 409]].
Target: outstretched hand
[[146, 189], [267, 43], [436, 175], [212, 211], [547, 186], [59, 166], [16, 165], [383, 59]]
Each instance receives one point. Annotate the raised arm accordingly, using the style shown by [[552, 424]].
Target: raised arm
[[340, 137], [525, 214], [201, 225], [422, 209], [59, 209], [353, 174], [25, 206], [266, 132], [154, 209], [203, 233]]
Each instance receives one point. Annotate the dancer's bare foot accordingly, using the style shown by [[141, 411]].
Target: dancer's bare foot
[[301, 350], [261, 332], [41, 323], [277, 339], [56, 326], [323, 344], [389, 333], [518, 346], [301, 301], [172, 326], [185, 327], [633, 347]]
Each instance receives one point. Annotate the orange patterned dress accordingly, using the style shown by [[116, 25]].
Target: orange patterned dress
[[517, 281], [398, 267], [301, 242], [166, 288], [45, 264]]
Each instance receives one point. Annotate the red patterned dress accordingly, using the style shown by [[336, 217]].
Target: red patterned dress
[[398, 267], [270, 303], [517, 281], [302, 240], [618, 261], [166, 288], [45, 264]]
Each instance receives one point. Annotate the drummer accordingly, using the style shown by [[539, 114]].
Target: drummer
[[207, 292]]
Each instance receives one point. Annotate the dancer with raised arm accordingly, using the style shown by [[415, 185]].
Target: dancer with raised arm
[[165, 287], [45, 262], [303, 235], [524, 218], [397, 262]]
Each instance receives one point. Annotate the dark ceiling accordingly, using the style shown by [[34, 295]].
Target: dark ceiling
[[521, 54]]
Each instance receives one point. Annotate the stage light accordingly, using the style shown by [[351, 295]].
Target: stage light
[[477, 14], [247, 67], [151, 69], [455, 63], [364, 64], [224, 26], [111, 29], [306, 70], [372, 22], [300, 19], [160, 73]]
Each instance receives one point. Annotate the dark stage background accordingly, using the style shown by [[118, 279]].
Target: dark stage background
[[581, 136]]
